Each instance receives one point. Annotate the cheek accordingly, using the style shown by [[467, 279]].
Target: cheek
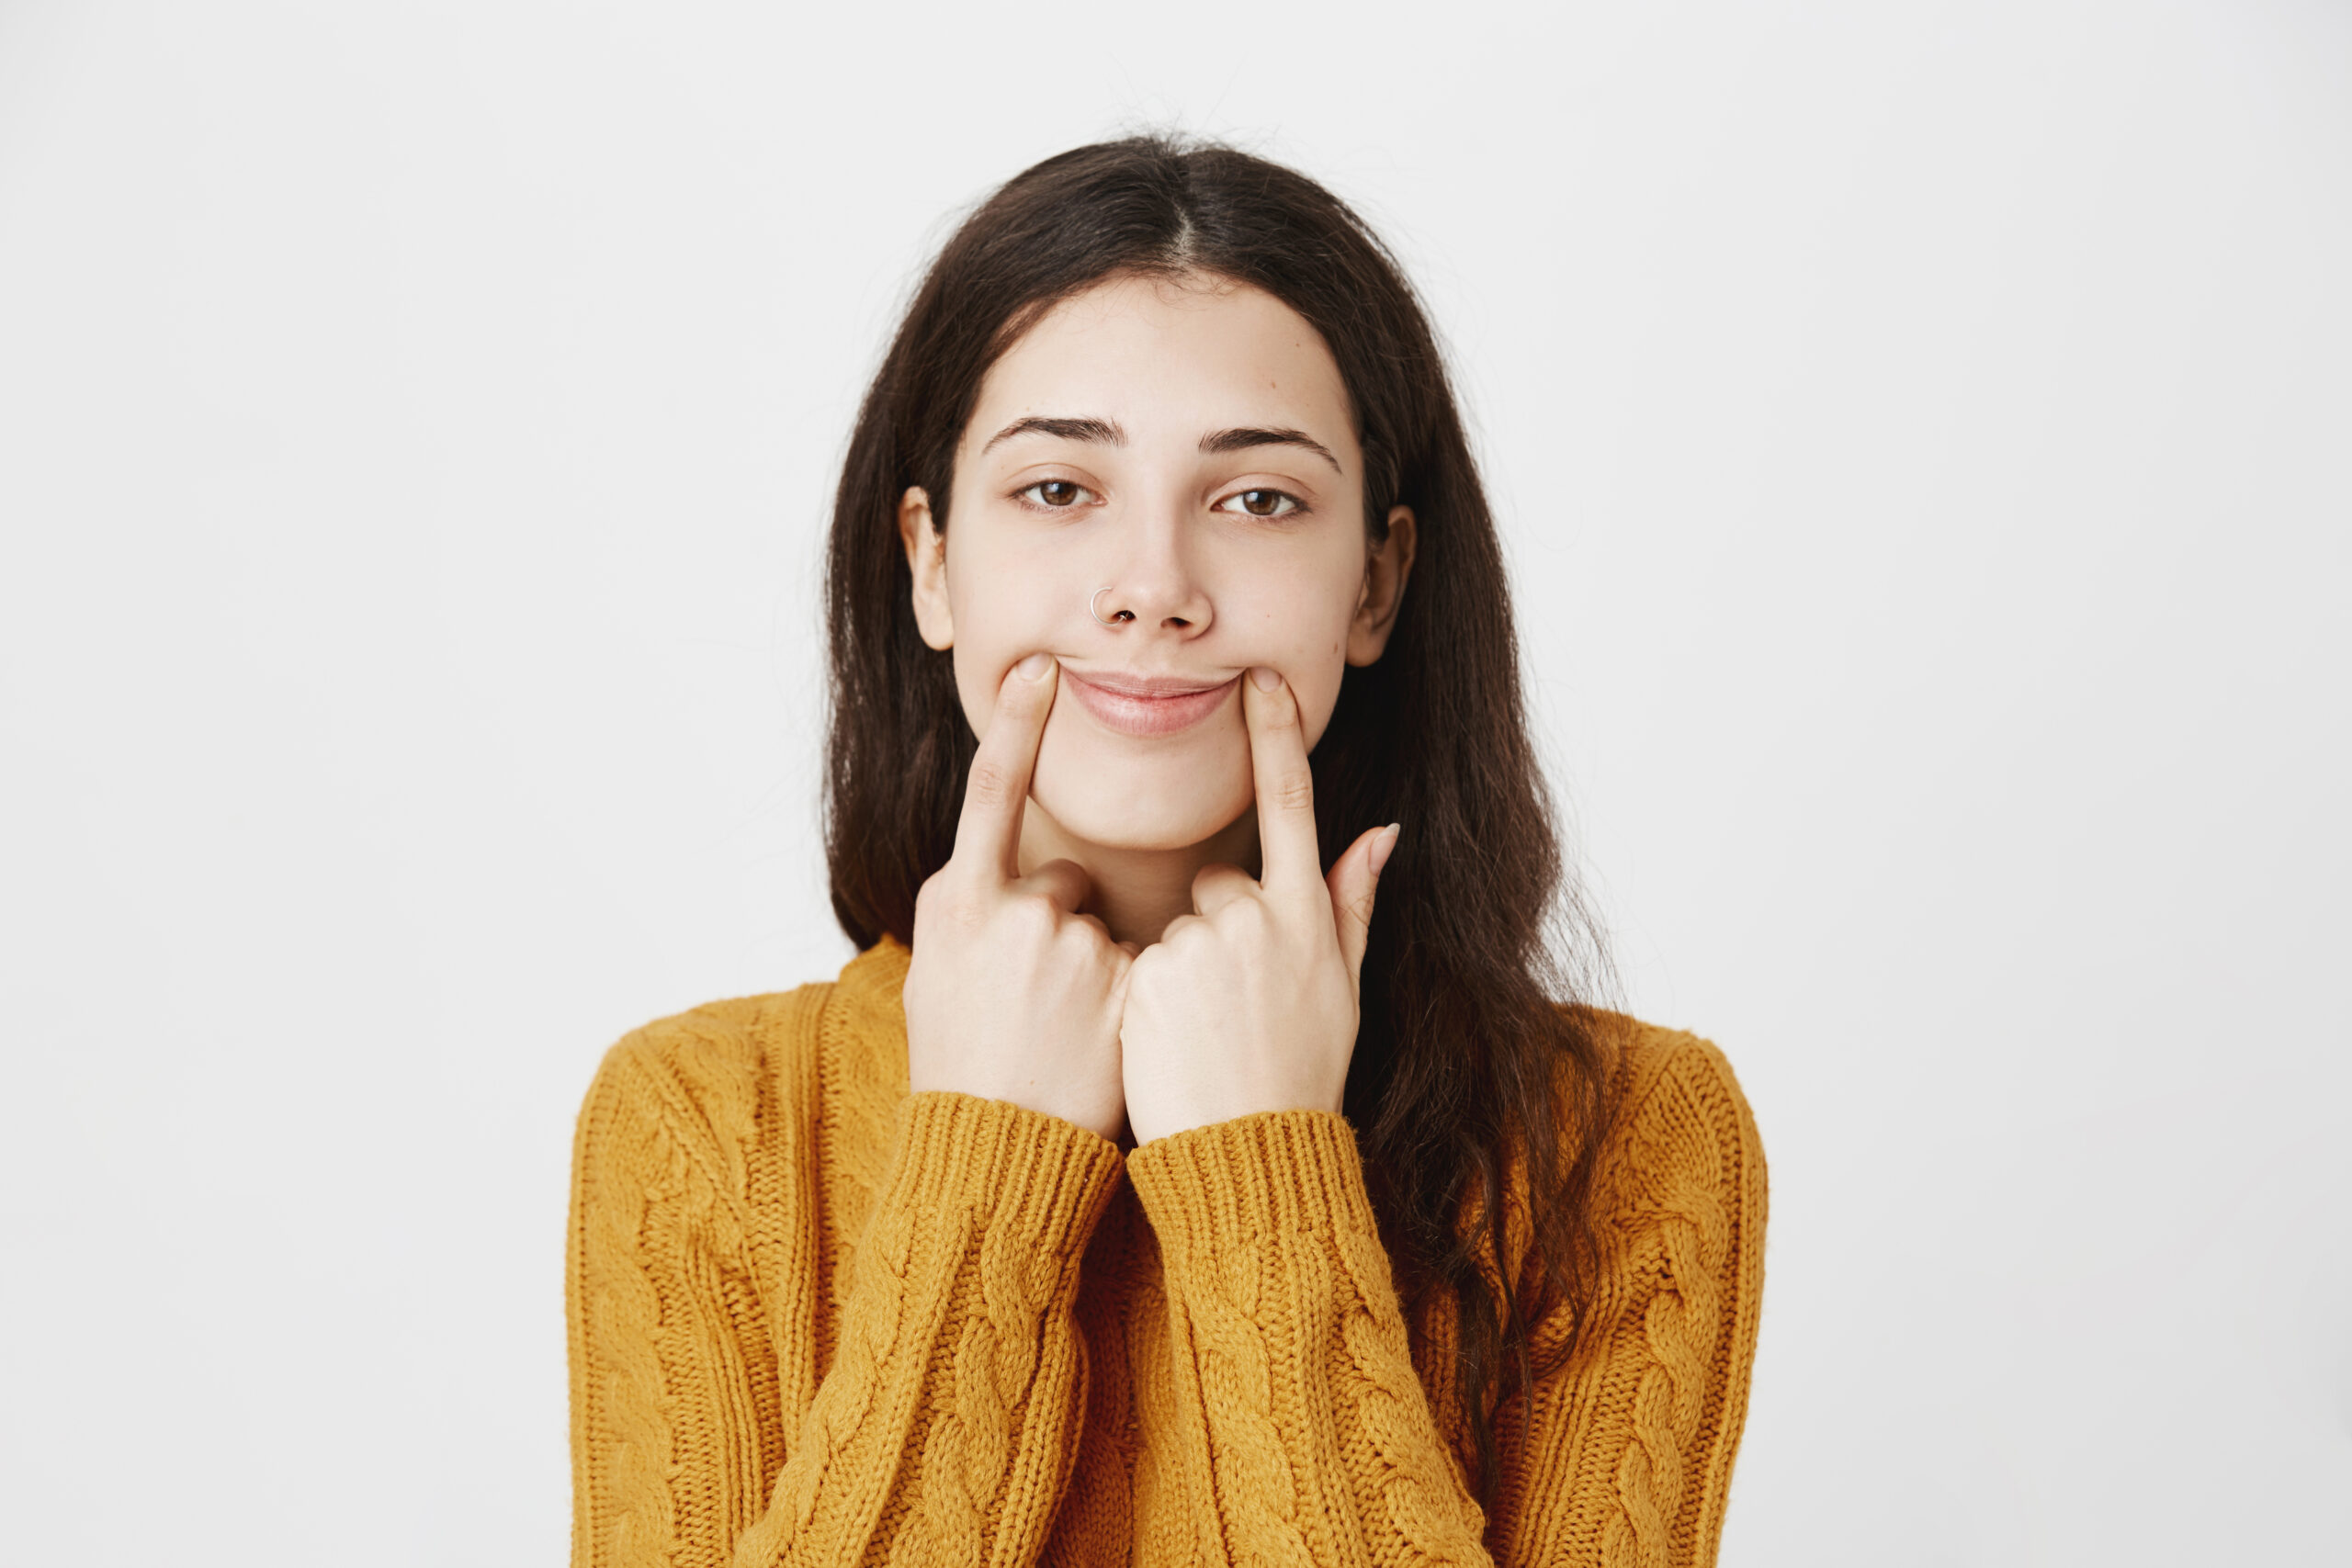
[[1303, 635], [994, 631]]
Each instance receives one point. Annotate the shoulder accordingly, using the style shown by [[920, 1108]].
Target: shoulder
[[696, 1075], [701, 1075], [1683, 1130], [1671, 1072]]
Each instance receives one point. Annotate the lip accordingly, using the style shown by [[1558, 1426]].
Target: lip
[[1146, 705]]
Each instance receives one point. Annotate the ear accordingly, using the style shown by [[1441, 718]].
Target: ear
[[1383, 590], [927, 564]]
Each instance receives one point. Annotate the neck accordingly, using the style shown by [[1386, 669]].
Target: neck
[[1135, 892]]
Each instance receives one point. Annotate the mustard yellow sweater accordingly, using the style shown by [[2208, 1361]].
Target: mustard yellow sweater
[[817, 1320]]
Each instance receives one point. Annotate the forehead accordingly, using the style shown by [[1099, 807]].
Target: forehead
[[1169, 357]]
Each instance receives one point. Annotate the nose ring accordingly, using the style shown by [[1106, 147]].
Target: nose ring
[[1116, 618]]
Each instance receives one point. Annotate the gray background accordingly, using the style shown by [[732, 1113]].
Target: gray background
[[1921, 435]]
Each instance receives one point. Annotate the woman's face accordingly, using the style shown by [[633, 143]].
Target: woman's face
[[1178, 460]]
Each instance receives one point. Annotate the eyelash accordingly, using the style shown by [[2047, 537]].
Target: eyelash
[[1038, 503], [1027, 496], [1298, 507]]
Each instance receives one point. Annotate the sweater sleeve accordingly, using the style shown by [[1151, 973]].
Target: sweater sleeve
[[944, 1420], [1313, 1441]]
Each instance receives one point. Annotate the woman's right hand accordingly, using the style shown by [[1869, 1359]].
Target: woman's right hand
[[1012, 994]]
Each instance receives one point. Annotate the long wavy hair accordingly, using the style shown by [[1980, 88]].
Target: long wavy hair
[[1467, 1057]]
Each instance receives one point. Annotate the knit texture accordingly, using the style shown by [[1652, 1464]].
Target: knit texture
[[815, 1319]]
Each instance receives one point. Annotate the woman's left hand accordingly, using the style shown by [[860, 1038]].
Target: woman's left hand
[[1250, 1003]]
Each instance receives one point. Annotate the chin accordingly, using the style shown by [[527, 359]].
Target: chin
[[1128, 803]]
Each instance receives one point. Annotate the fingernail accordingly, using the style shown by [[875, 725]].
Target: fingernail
[[1383, 845], [1034, 668], [1267, 677]]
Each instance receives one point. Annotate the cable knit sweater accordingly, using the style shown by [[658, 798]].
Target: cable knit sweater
[[815, 1319]]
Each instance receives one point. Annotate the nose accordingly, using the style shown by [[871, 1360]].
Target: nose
[[1150, 581]]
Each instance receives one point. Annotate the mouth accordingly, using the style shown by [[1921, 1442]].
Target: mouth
[[1146, 705]]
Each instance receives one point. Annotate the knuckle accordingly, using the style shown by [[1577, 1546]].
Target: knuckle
[[990, 782], [1031, 914], [944, 900], [1292, 789]]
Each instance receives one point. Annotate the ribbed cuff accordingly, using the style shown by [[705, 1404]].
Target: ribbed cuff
[[1046, 1177], [1274, 1175]]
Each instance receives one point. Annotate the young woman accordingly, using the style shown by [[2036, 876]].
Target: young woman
[[1200, 1162]]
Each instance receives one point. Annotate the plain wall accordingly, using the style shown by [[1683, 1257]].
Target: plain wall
[[1923, 435]]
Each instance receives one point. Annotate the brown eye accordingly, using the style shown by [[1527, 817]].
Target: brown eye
[[1058, 495], [1262, 503]]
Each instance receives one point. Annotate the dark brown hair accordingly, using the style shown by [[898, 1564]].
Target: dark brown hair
[[1463, 1060]]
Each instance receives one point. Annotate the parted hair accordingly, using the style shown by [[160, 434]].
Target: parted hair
[[1473, 1052]]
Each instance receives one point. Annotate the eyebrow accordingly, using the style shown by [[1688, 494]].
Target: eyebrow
[[1106, 430], [1252, 435]]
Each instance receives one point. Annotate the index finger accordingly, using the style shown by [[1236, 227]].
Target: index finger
[[987, 832], [1286, 782]]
